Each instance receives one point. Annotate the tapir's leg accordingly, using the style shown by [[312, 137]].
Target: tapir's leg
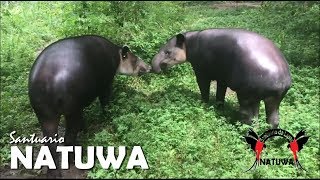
[[220, 94], [104, 98], [249, 107], [74, 123], [255, 108], [272, 110], [73, 126], [49, 124], [204, 86]]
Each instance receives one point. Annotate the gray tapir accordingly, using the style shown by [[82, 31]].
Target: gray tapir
[[69, 74], [246, 62]]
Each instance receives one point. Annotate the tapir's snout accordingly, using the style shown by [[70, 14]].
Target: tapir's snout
[[156, 61], [163, 66], [156, 70], [144, 67]]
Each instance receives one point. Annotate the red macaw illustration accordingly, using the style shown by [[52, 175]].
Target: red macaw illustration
[[297, 144], [256, 145]]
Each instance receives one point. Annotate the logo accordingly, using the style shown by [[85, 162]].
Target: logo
[[258, 143], [45, 157]]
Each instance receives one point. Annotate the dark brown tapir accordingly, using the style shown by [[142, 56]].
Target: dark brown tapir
[[246, 62], [69, 75]]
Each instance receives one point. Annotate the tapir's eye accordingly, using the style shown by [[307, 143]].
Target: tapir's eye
[[167, 52], [124, 56]]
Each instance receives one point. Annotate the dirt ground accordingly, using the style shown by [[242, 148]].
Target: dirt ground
[[72, 173]]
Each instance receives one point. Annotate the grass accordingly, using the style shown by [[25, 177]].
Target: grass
[[181, 137]]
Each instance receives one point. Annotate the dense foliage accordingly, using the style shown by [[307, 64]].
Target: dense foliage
[[181, 136]]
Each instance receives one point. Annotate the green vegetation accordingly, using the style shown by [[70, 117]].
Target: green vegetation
[[181, 136]]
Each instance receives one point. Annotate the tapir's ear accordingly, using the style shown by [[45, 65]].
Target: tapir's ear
[[124, 51], [180, 40]]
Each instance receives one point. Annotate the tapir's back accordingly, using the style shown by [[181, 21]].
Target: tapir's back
[[243, 59], [72, 69]]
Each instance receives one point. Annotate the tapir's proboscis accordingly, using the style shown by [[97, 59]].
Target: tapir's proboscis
[[246, 62], [69, 75]]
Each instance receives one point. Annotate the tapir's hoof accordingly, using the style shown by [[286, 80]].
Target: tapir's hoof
[[247, 121], [275, 126], [220, 104], [205, 100]]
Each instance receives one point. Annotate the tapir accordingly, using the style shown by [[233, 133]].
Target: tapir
[[248, 63], [69, 74]]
